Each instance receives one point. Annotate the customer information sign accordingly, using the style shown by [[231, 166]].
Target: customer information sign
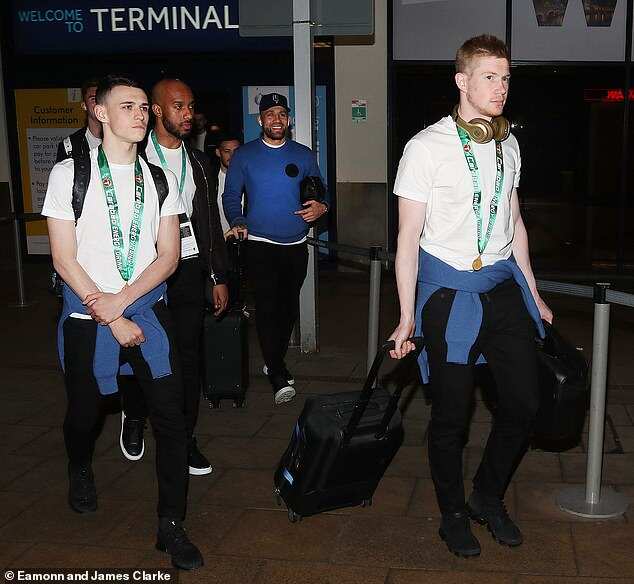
[[44, 117]]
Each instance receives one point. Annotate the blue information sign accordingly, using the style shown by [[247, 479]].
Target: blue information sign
[[117, 26]]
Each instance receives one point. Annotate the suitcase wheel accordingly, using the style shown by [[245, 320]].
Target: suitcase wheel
[[239, 403], [214, 404], [366, 502], [293, 517]]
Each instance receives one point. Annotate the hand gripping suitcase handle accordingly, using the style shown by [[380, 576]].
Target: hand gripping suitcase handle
[[368, 388]]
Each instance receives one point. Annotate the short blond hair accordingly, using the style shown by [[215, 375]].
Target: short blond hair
[[485, 45]]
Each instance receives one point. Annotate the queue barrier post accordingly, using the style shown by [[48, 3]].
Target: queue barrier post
[[593, 501]]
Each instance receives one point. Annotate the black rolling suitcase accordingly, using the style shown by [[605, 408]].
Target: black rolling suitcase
[[340, 447], [226, 359], [564, 388], [235, 275], [225, 344]]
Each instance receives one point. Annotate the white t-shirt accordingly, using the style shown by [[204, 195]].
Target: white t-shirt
[[433, 170], [93, 141], [94, 238], [222, 175], [174, 160]]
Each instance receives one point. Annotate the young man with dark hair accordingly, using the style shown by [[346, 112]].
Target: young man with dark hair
[[202, 271], [463, 249], [270, 170], [227, 145], [88, 137], [114, 261]]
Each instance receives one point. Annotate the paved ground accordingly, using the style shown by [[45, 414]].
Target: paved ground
[[245, 537]]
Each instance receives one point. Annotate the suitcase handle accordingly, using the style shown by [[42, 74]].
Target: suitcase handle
[[368, 389]]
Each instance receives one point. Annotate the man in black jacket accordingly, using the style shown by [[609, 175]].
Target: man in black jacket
[[203, 266], [88, 137]]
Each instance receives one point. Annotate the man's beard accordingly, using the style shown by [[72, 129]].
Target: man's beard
[[268, 132], [174, 130]]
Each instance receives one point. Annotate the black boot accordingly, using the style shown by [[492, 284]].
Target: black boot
[[455, 531], [171, 538], [490, 511], [82, 494]]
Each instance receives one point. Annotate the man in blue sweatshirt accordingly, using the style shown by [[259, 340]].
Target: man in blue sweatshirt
[[270, 171], [463, 249]]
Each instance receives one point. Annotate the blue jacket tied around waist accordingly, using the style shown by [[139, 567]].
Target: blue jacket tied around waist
[[106, 365], [465, 317]]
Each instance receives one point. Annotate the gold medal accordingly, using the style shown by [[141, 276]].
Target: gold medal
[[477, 263]]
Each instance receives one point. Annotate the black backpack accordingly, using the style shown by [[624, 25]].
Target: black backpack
[[81, 181]]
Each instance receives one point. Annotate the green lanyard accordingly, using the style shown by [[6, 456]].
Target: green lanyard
[[159, 152], [477, 191], [125, 265]]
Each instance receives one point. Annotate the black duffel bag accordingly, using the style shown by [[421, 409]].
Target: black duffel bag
[[564, 392], [564, 389]]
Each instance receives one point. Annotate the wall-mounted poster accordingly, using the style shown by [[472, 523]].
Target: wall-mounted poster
[[576, 30], [599, 12], [44, 116], [550, 12]]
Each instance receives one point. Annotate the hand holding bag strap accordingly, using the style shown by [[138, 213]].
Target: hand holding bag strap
[[368, 387]]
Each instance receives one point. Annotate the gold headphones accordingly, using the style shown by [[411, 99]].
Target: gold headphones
[[483, 131]]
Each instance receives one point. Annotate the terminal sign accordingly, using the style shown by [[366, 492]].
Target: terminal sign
[[81, 26]]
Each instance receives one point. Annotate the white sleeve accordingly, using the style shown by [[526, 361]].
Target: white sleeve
[[172, 205], [414, 178], [58, 202]]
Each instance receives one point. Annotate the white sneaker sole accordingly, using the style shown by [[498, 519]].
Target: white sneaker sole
[[125, 452], [198, 472], [284, 395], [265, 370]]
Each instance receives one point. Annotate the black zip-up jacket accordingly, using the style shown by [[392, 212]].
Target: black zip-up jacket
[[206, 217]]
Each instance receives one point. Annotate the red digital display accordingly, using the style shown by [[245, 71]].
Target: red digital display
[[607, 95]]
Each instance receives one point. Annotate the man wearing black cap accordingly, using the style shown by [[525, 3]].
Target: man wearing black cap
[[270, 170]]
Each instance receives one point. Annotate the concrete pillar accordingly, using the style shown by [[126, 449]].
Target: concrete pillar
[[361, 73]]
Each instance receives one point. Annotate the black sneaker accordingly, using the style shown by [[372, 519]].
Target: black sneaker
[[282, 391], [455, 531], [131, 437], [82, 494], [171, 538], [198, 463], [490, 511], [285, 372]]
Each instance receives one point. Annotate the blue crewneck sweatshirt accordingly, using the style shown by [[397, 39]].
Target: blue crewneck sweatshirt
[[266, 175], [465, 316], [106, 366]]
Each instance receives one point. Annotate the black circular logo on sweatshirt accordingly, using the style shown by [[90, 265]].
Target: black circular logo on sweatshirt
[[291, 170]]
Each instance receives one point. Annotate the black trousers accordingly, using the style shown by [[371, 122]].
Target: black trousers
[[164, 398], [507, 341], [185, 297], [276, 273]]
